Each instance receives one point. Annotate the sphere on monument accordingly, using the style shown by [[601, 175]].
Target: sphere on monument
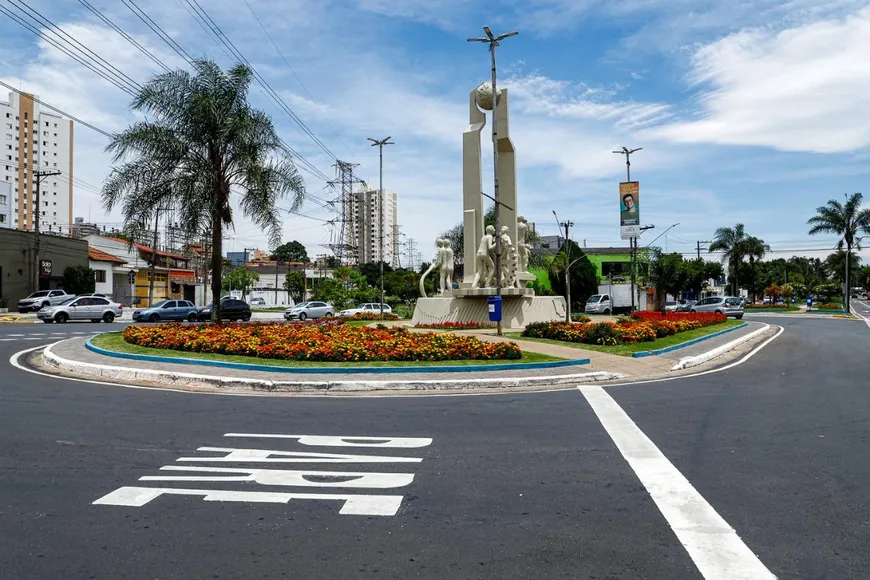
[[484, 96]]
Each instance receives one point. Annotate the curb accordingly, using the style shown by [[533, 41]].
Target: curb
[[687, 343], [694, 361], [330, 371], [189, 379]]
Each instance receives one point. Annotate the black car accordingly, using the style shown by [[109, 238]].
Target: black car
[[231, 309]]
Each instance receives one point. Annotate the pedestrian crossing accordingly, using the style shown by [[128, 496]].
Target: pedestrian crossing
[[44, 336]]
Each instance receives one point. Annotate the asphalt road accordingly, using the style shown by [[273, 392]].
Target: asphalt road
[[547, 485]]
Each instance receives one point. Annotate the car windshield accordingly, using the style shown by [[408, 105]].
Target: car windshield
[[594, 298], [670, 303], [68, 300], [302, 305], [39, 294]]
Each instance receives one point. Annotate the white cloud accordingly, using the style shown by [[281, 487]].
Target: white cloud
[[801, 89]]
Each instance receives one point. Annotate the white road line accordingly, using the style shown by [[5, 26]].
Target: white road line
[[332, 441], [713, 545], [15, 335], [288, 477], [861, 316]]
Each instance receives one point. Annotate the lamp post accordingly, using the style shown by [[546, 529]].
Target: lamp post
[[569, 263], [380, 145], [633, 240], [493, 41]]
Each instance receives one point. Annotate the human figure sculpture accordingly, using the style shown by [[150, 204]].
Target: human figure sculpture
[[508, 259], [446, 267], [436, 262], [523, 248], [485, 275]]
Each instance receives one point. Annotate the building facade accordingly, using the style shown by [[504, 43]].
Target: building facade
[[5, 205], [33, 140], [363, 231], [104, 265]]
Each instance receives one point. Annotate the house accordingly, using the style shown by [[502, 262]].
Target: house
[[172, 275], [105, 267]]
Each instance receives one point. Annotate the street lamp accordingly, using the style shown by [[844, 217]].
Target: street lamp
[[568, 261], [380, 145], [493, 41]]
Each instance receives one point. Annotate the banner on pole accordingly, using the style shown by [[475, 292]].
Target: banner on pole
[[629, 209]]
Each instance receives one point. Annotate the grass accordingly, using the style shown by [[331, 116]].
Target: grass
[[115, 341], [629, 349]]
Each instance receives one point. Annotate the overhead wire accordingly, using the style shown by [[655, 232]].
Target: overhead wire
[[134, 8]]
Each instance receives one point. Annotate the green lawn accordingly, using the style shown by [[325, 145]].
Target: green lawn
[[115, 341], [629, 349]]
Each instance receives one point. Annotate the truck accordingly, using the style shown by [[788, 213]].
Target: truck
[[615, 299], [42, 299]]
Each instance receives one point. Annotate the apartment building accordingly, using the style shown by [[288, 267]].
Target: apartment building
[[364, 230], [34, 140]]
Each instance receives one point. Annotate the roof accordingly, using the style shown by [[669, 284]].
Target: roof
[[148, 250], [599, 251], [101, 256]]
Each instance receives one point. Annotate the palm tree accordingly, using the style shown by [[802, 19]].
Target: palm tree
[[202, 143], [755, 249], [844, 221], [731, 242], [835, 264]]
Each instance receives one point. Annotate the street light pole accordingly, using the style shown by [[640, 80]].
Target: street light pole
[[380, 145], [568, 263], [493, 41], [633, 240]]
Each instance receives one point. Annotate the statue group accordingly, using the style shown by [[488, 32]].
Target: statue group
[[443, 260]]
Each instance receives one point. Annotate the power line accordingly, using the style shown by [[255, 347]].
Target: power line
[[134, 8], [56, 110]]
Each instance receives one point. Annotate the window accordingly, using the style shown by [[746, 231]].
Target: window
[[100, 275], [2, 218], [99, 301], [46, 123], [3, 199]]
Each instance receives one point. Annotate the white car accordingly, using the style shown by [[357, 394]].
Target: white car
[[369, 307], [305, 310], [79, 308]]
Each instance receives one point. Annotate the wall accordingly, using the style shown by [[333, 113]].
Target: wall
[[16, 253], [6, 214], [599, 259], [106, 287]]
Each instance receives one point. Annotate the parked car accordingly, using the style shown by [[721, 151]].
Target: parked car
[[167, 310], [369, 307], [687, 306], [727, 305], [231, 309], [42, 299], [257, 301], [78, 308], [671, 306], [305, 310]]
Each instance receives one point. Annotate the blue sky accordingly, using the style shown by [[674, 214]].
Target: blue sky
[[748, 112]]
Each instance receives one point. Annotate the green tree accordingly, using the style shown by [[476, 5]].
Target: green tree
[[697, 272], [79, 280], [835, 264], [291, 252], [239, 279], [845, 221], [667, 274], [862, 278], [199, 142], [730, 241], [403, 284], [584, 276], [294, 284], [372, 273], [330, 290]]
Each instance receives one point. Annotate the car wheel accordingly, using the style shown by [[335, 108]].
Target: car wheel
[[302, 316], [61, 317], [246, 316], [154, 318], [108, 317], [606, 311], [739, 317], [719, 312], [45, 305], [328, 315], [191, 317]]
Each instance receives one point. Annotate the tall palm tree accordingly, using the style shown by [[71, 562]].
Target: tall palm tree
[[201, 143], [844, 220], [731, 242], [754, 248]]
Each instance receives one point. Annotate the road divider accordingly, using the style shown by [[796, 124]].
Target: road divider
[[693, 361]]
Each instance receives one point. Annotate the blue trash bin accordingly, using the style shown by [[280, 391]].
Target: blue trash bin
[[494, 304]]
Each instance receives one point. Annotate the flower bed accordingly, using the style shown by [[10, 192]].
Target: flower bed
[[454, 325], [325, 342], [642, 327], [829, 306], [373, 316], [581, 318]]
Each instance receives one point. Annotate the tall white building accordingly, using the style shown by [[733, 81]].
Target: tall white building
[[364, 228], [33, 140]]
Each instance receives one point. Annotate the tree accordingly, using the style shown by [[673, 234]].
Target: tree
[[202, 142], [291, 252], [835, 264], [294, 284], [403, 284], [239, 279], [667, 275], [372, 273], [697, 272], [730, 241], [584, 277], [755, 249], [844, 221], [862, 278], [330, 290], [79, 280]]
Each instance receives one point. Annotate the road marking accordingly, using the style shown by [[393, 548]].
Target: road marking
[[271, 456], [289, 477], [357, 505], [714, 546], [861, 316], [14, 335], [324, 441]]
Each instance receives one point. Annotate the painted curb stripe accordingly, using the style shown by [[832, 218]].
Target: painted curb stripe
[[685, 344], [344, 371]]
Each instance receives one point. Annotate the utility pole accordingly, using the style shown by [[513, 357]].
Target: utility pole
[[37, 212], [632, 241], [493, 41], [566, 225], [153, 259], [380, 145], [700, 248]]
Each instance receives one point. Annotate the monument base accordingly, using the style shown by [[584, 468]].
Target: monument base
[[517, 311]]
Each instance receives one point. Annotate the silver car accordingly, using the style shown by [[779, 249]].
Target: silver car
[[305, 310], [82, 308], [727, 305]]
